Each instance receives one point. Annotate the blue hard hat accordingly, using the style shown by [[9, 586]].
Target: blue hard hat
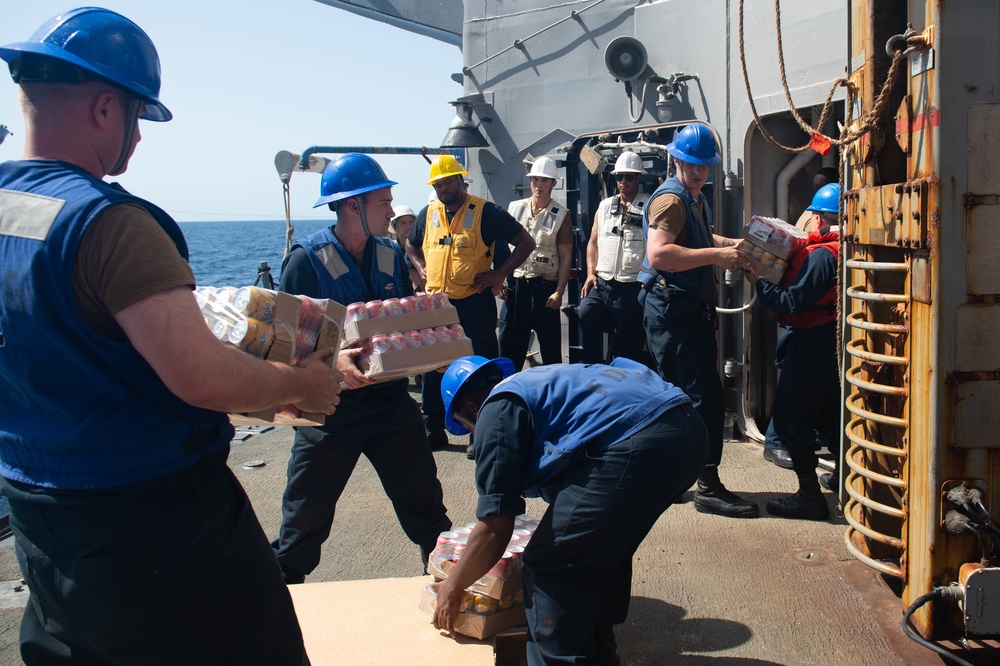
[[350, 175], [826, 199], [456, 376], [695, 144], [103, 43]]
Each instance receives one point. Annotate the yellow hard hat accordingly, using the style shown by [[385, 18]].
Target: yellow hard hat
[[445, 166]]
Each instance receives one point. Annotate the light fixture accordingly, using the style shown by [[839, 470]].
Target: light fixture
[[464, 133]]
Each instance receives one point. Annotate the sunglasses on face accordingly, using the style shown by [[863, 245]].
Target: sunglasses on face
[[627, 177]]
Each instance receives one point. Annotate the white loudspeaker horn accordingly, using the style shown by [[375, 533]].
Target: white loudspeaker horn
[[625, 58]]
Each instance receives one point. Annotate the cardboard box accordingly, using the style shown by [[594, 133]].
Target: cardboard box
[[774, 236], [491, 586], [769, 272], [399, 363], [286, 324], [377, 622], [410, 321], [477, 626]]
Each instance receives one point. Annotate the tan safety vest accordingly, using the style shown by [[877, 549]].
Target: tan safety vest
[[544, 228], [455, 254], [620, 247]]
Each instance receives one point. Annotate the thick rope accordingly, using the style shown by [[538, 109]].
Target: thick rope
[[847, 136]]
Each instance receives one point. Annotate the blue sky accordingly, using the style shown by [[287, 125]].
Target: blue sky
[[248, 78]]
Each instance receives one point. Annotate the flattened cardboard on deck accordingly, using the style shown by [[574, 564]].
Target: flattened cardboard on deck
[[378, 622], [286, 325]]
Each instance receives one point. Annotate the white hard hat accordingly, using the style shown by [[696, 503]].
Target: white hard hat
[[544, 167], [401, 210], [628, 162], [432, 197]]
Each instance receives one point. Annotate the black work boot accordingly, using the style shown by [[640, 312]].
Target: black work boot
[[808, 503], [800, 505], [712, 497]]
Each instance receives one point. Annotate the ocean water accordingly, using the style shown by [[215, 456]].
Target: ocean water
[[226, 254]]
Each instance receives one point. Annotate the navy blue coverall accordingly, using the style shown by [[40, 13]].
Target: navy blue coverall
[[807, 398], [380, 421]]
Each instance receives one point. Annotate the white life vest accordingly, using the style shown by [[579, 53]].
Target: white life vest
[[620, 247], [544, 228]]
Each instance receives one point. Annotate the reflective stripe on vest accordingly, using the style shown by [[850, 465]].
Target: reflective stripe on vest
[[455, 254]]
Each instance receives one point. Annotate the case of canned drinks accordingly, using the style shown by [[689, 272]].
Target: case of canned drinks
[[274, 326]]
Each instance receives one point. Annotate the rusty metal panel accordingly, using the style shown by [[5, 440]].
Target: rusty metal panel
[[977, 330], [984, 158], [920, 278], [983, 249], [975, 414]]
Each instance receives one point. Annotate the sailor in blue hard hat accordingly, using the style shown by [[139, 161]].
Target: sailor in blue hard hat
[[609, 447], [349, 177], [349, 262], [807, 397], [90, 43], [134, 537], [680, 294]]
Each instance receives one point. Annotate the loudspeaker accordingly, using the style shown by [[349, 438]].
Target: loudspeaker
[[625, 58]]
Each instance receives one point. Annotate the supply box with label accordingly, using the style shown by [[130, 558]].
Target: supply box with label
[[407, 336], [494, 602], [770, 243], [274, 326]]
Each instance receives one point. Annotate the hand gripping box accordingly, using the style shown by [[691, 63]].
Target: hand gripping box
[[301, 326], [769, 243], [480, 617], [489, 585]]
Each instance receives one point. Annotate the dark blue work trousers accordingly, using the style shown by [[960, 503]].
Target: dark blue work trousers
[[389, 432], [578, 564], [807, 398], [525, 310], [175, 570], [682, 339], [478, 316], [613, 307]]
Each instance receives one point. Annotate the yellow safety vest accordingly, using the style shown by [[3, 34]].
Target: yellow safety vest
[[454, 254]]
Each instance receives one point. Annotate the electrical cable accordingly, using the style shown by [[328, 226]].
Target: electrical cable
[[978, 504], [952, 592]]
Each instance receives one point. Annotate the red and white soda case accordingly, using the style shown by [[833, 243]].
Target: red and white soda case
[[392, 307], [356, 312]]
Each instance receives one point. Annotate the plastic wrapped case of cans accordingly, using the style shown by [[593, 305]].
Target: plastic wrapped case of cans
[[770, 243], [407, 336], [274, 326], [497, 593]]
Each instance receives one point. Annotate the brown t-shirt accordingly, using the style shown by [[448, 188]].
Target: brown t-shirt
[[125, 256], [667, 212]]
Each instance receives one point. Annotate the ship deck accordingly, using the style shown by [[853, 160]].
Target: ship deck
[[706, 589]]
